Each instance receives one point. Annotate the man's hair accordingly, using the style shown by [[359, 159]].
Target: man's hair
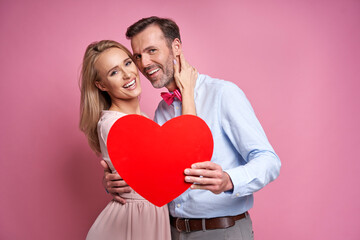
[[169, 28]]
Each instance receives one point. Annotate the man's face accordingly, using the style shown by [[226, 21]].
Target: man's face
[[153, 57]]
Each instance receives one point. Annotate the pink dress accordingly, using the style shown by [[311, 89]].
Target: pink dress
[[137, 219]]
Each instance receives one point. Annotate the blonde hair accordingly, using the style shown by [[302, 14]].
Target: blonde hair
[[93, 100]]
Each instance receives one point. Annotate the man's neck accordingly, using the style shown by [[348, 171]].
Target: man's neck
[[171, 86]]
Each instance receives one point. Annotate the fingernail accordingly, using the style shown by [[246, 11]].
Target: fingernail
[[187, 179], [193, 166], [187, 171]]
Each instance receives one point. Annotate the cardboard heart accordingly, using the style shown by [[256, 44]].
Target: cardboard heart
[[152, 159]]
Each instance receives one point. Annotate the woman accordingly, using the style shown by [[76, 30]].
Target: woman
[[110, 89]]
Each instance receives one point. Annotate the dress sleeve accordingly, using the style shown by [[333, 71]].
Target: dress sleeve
[[243, 129], [104, 125]]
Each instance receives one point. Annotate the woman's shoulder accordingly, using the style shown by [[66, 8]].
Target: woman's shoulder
[[107, 119]]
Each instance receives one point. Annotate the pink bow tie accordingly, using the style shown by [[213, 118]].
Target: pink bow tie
[[169, 97]]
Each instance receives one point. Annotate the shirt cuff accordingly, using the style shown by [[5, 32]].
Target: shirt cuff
[[239, 178]]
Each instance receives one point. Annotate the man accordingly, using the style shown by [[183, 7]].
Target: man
[[243, 161]]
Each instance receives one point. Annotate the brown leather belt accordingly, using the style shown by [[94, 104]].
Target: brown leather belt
[[197, 224]]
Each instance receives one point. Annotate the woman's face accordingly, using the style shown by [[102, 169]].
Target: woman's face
[[119, 75]]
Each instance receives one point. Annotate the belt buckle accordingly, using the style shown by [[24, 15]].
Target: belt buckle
[[187, 225]]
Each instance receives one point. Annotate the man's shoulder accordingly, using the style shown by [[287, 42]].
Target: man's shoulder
[[162, 105], [215, 84]]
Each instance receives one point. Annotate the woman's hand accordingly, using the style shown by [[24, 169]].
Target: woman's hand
[[185, 78], [185, 75]]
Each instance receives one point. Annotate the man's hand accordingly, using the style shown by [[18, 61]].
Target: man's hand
[[213, 178], [114, 184]]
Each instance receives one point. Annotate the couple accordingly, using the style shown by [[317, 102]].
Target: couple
[[243, 160]]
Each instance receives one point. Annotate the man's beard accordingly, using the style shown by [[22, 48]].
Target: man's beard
[[168, 74]]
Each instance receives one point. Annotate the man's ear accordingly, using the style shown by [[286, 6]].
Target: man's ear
[[176, 47], [100, 86]]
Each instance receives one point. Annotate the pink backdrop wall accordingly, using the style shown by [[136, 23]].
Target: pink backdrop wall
[[297, 61]]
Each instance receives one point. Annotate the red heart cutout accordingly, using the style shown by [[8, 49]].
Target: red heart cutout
[[152, 159]]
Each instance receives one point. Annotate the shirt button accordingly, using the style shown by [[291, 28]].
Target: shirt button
[[178, 205], [177, 108], [237, 194]]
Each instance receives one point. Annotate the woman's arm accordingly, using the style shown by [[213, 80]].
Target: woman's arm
[[185, 78]]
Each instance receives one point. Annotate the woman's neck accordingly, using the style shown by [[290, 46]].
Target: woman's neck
[[131, 106]]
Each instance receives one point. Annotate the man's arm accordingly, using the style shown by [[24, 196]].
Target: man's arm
[[114, 184], [243, 129]]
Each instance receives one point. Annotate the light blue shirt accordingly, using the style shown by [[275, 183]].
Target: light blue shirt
[[240, 147]]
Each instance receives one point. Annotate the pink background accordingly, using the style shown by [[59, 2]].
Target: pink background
[[297, 61]]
